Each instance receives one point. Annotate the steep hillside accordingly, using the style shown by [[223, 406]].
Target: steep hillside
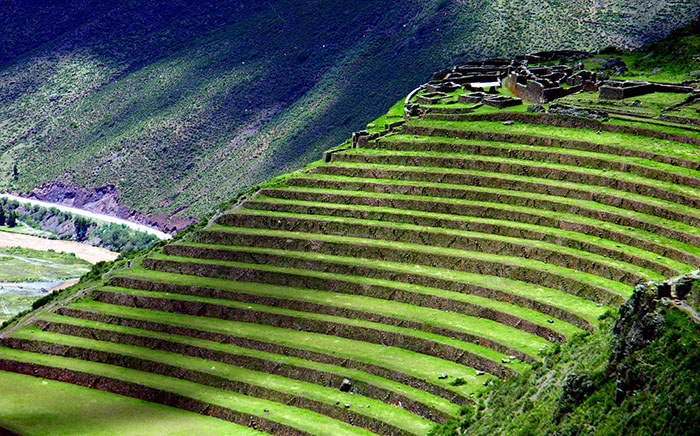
[[466, 246], [636, 375], [180, 106]]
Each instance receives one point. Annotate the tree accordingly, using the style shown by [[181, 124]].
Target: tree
[[81, 226], [12, 219], [15, 175], [2, 216]]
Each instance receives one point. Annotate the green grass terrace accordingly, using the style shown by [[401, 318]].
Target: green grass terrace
[[378, 292]]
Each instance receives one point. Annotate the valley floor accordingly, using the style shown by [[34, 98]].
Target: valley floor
[[81, 251], [87, 214]]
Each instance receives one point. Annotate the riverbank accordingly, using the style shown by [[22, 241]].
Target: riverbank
[[87, 214], [82, 251]]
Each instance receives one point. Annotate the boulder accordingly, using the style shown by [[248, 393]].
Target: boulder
[[345, 386]]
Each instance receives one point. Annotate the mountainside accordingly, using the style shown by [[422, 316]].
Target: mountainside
[[179, 106], [512, 249]]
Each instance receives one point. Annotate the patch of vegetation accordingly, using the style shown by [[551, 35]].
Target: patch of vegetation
[[56, 224], [603, 383], [72, 410], [26, 265]]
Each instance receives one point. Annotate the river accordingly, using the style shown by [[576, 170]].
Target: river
[[91, 215]]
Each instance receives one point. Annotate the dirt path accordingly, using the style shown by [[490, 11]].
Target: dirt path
[[682, 305], [82, 251], [65, 285]]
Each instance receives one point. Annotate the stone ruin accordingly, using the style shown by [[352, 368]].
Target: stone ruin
[[532, 77], [490, 71], [539, 84], [619, 90]]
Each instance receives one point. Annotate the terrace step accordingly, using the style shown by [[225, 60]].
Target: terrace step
[[263, 286], [688, 136], [502, 300], [645, 122], [323, 257], [416, 370], [365, 203], [450, 148], [317, 217], [666, 205], [484, 332], [679, 155], [605, 177], [428, 236], [482, 357], [509, 263], [193, 397], [682, 232], [380, 418], [412, 400], [70, 409]]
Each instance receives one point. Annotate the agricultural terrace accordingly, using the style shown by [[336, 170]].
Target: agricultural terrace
[[378, 292]]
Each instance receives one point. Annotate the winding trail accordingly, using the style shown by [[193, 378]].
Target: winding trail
[[88, 214]]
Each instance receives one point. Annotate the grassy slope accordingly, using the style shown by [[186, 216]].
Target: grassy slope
[[534, 403], [66, 409], [25, 265], [182, 108], [589, 354]]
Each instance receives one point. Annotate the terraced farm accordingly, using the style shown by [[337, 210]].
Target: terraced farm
[[379, 291]]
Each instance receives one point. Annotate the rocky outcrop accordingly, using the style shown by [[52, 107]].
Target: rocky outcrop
[[104, 200], [641, 322]]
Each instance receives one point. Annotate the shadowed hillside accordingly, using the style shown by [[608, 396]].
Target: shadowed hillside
[[179, 107], [455, 267]]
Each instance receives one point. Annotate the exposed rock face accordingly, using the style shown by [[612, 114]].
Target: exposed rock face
[[104, 200], [641, 321]]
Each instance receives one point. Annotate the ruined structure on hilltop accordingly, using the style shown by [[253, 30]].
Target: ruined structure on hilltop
[[538, 78]]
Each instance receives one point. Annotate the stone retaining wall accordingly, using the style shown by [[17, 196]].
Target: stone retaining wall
[[346, 287], [415, 171], [366, 334], [356, 314], [473, 225], [478, 209], [519, 138], [553, 156], [472, 243], [546, 119], [578, 287], [551, 203], [338, 412], [269, 347]]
